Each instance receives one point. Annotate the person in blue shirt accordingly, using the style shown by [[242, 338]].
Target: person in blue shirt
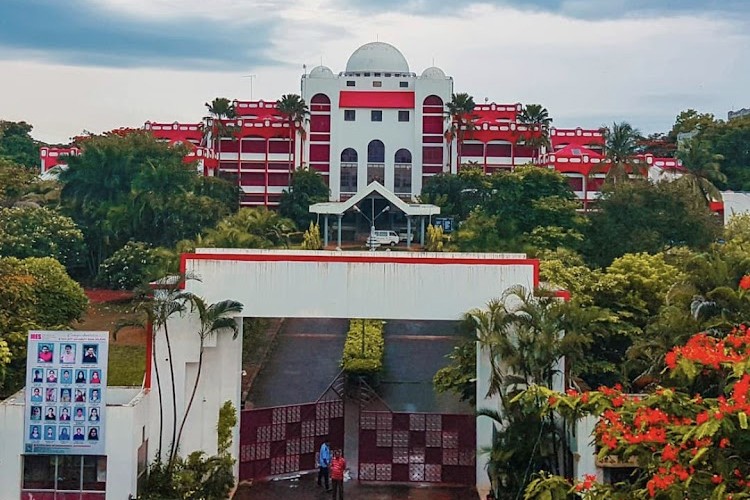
[[324, 461]]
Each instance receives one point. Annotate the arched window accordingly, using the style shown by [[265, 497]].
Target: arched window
[[320, 99], [432, 100], [376, 152], [349, 171], [402, 156], [349, 155], [375, 161]]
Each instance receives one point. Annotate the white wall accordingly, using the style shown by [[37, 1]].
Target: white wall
[[275, 283], [124, 431]]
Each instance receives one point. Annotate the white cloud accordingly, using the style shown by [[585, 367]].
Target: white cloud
[[587, 72]]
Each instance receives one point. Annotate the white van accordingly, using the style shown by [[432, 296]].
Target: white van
[[383, 238]]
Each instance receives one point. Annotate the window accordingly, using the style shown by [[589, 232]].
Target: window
[[64, 473], [386, 74], [377, 83], [403, 85], [349, 115], [403, 116], [376, 115], [349, 178], [366, 74], [376, 74], [350, 83], [402, 179]]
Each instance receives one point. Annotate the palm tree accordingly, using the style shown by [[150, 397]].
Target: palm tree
[[621, 142], [213, 318], [701, 169], [158, 307], [460, 109], [252, 228], [221, 109], [293, 107], [536, 115]]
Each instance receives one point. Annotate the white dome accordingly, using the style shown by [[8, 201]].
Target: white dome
[[321, 72], [377, 56], [433, 73]]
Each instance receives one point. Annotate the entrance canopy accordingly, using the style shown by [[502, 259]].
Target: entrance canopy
[[340, 207]]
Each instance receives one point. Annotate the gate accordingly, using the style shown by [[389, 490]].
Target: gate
[[417, 447], [286, 439]]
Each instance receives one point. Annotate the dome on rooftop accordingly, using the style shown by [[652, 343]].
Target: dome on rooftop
[[433, 73], [377, 56], [321, 72]]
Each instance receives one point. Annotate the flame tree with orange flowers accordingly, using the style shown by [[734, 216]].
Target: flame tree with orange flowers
[[688, 441]]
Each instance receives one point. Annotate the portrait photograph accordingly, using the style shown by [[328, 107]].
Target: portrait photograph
[[64, 433], [49, 433], [95, 376], [90, 353], [51, 376], [66, 376], [34, 432], [36, 413], [67, 353], [45, 353]]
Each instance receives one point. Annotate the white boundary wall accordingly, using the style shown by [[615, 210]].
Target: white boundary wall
[[306, 284]]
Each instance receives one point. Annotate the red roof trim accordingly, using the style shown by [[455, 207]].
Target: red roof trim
[[376, 99]]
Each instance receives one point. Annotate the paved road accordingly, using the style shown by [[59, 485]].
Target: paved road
[[303, 363], [305, 488], [414, 352]]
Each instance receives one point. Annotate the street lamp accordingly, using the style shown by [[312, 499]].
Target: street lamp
[[371, 240]]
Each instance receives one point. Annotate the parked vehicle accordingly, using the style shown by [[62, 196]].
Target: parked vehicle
[[378, 238]]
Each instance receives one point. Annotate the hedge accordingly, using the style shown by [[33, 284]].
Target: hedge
[[371, 360]]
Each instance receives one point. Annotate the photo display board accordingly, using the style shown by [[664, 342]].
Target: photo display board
[[66, 381]]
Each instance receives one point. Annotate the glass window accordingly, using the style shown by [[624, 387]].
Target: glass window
[[69, 473], [386, 74], [402, 179], [349, 115], [403, 116], [366, 74], [94, 473], [376, 115], [403, 85], [349, 179], [377, 83], [350, 83], [39, 472], [376, 74]]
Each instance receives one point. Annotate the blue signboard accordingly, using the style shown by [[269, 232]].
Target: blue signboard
[[66, 381]]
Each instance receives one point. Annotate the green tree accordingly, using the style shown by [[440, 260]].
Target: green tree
[[308, 187], [654, 218], [36, 293], [457, 194], [622, 146], [691, 121], [220, 110], [460, 110], [15, 182], [730, 140], [536, 115], [213, 318], [40, 232], [701, 170], [17, 145], [250, 228], [293, 108], [311, 239]]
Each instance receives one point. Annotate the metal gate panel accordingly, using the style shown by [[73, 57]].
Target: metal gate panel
[[417, 447], [286, 439]]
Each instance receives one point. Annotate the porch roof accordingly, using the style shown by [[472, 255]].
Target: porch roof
[[340, 207]]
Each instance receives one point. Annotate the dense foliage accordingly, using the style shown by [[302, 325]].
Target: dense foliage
[[17, 145], [36, 293], [132, 265], [40, 232], [364, 347], [134, 188], [307, 188]]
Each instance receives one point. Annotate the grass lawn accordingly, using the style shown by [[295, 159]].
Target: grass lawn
[[127, 364]]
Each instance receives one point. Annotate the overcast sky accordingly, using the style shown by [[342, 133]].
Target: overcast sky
[[71, 65]]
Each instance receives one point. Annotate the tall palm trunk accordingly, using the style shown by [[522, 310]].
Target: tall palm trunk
[[190, 402], [161, 400], [174, 391]]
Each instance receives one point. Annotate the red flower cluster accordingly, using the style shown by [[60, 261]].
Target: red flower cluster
[[713, 352], [745, 282], [587, 483]]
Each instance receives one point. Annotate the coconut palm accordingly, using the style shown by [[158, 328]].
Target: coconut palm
[[460, 109], [701, 169], [251, 228], [221, 109], [294, 109], [621, 142], [536, 116], [214, 318]]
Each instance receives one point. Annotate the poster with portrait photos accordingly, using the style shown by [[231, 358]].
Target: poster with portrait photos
[[66, 378]]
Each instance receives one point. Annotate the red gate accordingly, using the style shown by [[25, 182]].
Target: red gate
[[286, 439], [417, 447]]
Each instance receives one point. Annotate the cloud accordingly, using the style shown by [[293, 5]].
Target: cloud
[[80, 32]]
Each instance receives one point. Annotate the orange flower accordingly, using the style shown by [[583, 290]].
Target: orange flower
[[745, 282]]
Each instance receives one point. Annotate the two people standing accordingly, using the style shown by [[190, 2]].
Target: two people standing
[[336, 466]]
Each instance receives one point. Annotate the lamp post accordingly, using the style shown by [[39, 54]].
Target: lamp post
[[371, 239]]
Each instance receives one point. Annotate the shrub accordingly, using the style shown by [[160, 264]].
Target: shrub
[[132, 265], [364, 356], [311, 239]]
